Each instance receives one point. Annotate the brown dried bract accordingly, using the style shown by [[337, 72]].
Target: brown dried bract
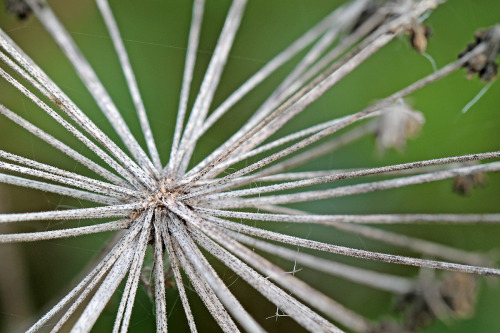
[[419, 36], [454, 296], [464, 185], [18, 7], [397, 123], [484, 63]]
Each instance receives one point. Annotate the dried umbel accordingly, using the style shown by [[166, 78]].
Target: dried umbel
[[193, 213]]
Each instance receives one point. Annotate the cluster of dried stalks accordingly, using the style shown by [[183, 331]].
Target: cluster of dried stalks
[[188, 212]]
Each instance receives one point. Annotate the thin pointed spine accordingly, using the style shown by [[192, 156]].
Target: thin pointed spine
[[63, 147], [174, 264]]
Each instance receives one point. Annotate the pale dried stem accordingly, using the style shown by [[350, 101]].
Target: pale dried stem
[[58, 97], [114, 32], [304, 291], [382, 281], [103, 187], [209, 84], [362, 254], [160, 296], [72, 214], [128, 298], [90, 80], [301, 100], [204, 291], [64, 233], [272, 66], [358, 188], [90, 281], [63, 148], [62, 190], [70, 128], [102, 296], [286, 303], [247, 131], [210, 276], [353, 174], [194, 36], [174, 264]]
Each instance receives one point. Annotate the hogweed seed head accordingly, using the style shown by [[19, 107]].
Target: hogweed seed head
[[190, 213]]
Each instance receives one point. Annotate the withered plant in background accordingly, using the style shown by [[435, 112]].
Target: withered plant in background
[[190, 213]]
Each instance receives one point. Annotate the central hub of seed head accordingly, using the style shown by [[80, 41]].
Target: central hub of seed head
[[164, 193]]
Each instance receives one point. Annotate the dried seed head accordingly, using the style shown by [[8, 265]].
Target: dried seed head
[[484, 63], [397, 123], [464, 185]]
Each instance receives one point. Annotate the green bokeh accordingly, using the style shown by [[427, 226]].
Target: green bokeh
[[155, 34]]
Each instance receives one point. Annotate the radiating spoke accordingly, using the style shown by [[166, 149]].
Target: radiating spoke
[[390, 258], [101, 269], [209, 84], [353, 174], [103, 187], [194, 36], [131, 81], [62, 147], [58, 189], [64, 233], [90, 79], [360, 188], [72, 214], [160, 296], [299, 312]]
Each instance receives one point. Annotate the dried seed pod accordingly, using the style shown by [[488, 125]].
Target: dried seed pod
[[484, 63], [18, 7], [463, 185], [459, 292], [419, 36], [452, 297], [397, 123]]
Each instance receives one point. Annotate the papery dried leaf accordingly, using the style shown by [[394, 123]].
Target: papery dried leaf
[[398, 123]]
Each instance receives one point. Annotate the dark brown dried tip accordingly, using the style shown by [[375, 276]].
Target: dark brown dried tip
[[484, 63], [18, 7]]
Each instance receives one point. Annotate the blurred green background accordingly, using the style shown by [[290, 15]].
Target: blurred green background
[[155, 35]]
